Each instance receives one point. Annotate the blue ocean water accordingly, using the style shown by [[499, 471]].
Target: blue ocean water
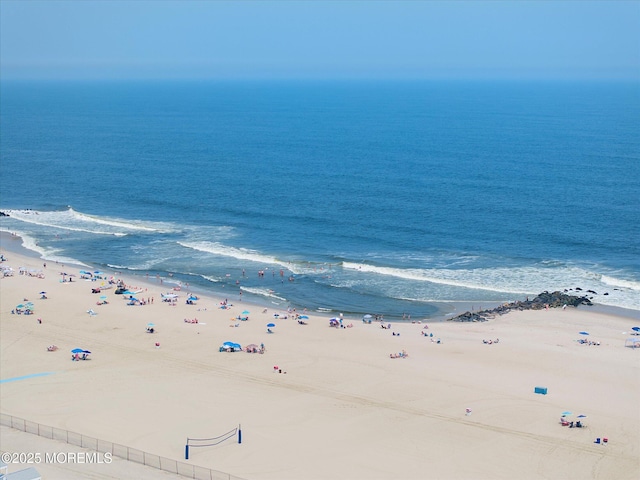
[[358, 197]]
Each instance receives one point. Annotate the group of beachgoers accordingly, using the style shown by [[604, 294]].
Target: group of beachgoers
[[566, 423], [253, 348], [491, 342], [402, 354]]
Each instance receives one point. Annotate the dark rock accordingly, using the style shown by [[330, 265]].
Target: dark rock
[[543, 300]]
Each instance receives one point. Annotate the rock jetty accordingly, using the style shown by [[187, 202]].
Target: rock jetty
[[543, 300]]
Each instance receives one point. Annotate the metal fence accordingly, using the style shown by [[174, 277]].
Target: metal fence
[[116, 450]]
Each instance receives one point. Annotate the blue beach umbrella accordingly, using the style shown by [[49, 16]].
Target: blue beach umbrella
[[304, 317], [77, 350], [246, 312], [103, 297], [151, 324], [271, 325], [567, 413], [42, 293], [635, 329], [583, 333], [582, 416]]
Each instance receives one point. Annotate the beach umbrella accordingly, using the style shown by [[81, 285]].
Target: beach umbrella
[[20, 306], [582, 416], [86, 351], [367, 316], [77, 350], [635, 329], [42, 293], [271, 325], [151, 324], [583, 333], [567, 413], [103, 297], [246, 312], [304, 317]]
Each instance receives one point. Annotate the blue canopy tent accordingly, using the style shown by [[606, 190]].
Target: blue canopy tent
[[230, 347]]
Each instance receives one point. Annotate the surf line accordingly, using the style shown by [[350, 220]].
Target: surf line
[[24, 377]]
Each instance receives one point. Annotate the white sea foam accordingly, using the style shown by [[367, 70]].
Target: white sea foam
[[525, 280], [81, 222], [263, 293], [620, 283], [210, 279], [216, 248], [458, 278], [113, 222], [49, 254], [146, 265]]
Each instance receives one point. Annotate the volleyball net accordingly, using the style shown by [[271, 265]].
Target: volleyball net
[[210, 442]]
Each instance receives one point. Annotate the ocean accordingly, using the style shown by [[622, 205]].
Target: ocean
[[395, 198]]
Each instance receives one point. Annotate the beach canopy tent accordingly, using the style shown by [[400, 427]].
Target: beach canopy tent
[[633, 342], [168, 297], [230, 347]]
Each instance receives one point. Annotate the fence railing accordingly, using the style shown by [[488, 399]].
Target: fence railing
[[116, 450]]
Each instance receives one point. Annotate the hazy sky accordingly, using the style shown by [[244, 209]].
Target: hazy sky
[[273, 39]]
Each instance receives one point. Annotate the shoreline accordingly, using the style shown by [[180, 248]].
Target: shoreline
[[446, 310]]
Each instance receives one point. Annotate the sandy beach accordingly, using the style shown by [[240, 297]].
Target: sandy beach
[[337, 405]]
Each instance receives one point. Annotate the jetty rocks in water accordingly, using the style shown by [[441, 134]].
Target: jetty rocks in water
[[544, 300]]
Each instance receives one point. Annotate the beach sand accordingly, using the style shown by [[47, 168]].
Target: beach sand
[[341, 408]]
